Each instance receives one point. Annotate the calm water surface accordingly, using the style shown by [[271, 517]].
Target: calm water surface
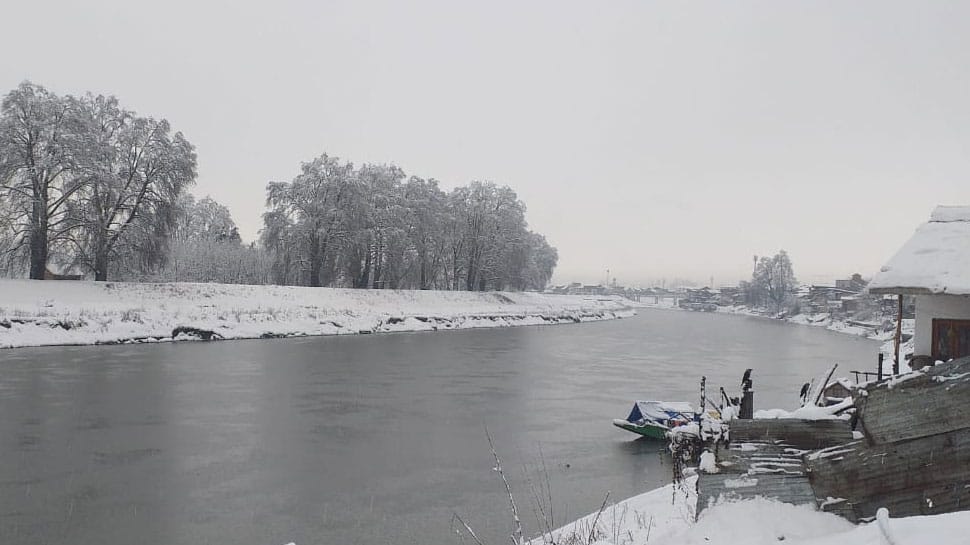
[[369, 439]]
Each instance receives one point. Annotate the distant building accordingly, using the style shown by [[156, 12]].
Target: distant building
[[854, 284], [730, 295], [934, 267]]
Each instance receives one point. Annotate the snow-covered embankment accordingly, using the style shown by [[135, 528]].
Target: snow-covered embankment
[[665, 516], [38, 313]]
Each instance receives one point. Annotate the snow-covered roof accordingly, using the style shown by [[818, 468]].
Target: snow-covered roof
[[935, 260]]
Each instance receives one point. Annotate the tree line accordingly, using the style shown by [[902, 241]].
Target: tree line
[[374, 227], [90, 186]]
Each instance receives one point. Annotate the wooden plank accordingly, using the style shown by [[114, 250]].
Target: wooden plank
[[760, 457], [801, 434], [751, 469], [921, 476], [934, 401], [794, 489]]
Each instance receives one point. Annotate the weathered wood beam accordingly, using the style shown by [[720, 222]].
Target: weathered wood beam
[[929, 475], [901, 290], [797, 433], [928, 402]]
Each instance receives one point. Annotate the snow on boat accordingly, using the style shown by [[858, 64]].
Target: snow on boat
[[655, 418]]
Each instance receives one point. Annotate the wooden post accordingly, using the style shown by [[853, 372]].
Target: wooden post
[[698, 416], [899, 333], [746, 410], [879, 370]]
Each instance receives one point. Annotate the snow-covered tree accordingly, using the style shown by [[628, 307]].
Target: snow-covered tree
[[134, 169], [425, 219], [773, 280], [369, 228], [37, 158], [307, 215], [204, 219], [86, 182]]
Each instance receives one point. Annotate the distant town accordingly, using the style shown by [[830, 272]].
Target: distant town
[[845, 300]]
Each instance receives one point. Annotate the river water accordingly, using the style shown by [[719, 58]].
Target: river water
[[363, 439]]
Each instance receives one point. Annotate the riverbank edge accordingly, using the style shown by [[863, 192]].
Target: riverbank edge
[[38, 313], [844, 327]]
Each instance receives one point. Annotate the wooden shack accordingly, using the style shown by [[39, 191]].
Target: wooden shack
[[915, 457]]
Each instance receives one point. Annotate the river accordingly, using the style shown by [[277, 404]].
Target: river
[[363, 439]]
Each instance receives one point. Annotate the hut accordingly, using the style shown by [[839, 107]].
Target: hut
[[934, 268]]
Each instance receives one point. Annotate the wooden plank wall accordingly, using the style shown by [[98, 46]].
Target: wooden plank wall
[[922, 405], [923, 476], [802, 434]]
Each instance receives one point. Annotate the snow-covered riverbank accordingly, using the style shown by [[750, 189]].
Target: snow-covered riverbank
[[665, 516], [39, 313], [875, 330]]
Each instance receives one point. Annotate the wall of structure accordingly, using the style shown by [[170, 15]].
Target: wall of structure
[[928, 307]]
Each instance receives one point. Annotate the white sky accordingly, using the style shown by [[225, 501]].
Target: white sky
[[656, 139]]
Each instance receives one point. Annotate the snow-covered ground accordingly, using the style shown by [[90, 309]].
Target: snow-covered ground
[[37, 313], [665, 516]]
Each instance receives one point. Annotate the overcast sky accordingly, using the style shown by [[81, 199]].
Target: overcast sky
[[655, 139]]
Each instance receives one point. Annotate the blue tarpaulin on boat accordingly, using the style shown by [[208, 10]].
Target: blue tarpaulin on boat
[[660, 411]]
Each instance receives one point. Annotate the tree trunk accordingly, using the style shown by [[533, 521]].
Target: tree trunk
[[378, 265], [38, 239], [316, 262], [471, 274], [364, 280], [101, 266], [424, 270]]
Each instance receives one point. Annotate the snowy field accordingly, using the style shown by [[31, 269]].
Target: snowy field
[[38, 313], [665, 516]]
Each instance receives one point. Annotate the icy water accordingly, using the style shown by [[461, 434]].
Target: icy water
[[365, 439]]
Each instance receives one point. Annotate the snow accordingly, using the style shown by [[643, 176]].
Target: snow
[[744, 481], [644, 518], [950, 213], [935, 260], [664, 516], [899, 379], [947, 378], [708, 463], [37, 313], [809, 412]]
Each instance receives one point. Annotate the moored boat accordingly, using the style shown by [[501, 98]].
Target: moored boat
[[654, 419]]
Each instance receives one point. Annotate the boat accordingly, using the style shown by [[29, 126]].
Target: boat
[[654, 419]]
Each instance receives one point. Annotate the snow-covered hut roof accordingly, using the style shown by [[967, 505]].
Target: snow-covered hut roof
[[935, 260]]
